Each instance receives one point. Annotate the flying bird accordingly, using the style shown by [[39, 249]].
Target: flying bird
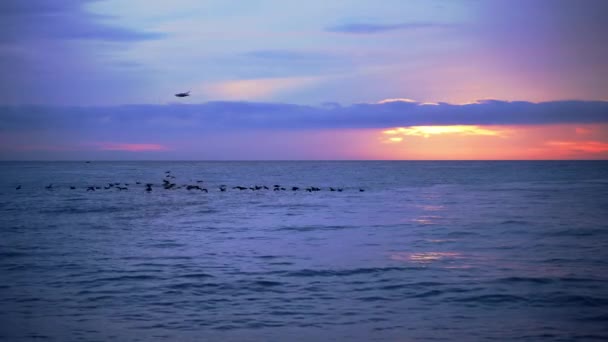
[[183, 94]]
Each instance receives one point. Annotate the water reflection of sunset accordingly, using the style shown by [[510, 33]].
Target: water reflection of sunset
[[424, 257]]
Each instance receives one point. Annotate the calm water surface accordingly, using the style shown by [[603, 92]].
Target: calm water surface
[[429, 251]]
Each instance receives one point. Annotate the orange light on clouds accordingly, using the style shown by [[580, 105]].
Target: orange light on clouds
[[256, 89], [580, 146], [130, 147], [427, 131], [492, 142]]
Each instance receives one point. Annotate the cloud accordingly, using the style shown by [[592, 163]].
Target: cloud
[[255, 89], [61, 20], [287, 55], [427, 131], [579, 146], [370, 28], [129, 147], [58, 51], [396, 100], [154, 120]]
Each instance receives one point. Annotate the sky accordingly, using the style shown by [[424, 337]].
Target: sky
[[270, 79]]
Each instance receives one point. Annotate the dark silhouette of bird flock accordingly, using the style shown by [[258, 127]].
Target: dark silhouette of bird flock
[[168, 184]]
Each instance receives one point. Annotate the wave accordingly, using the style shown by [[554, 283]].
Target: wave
[[351, 272], [312, 228], [491, 299]]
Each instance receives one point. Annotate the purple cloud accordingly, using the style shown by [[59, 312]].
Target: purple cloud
[[176, 120], [35, 20]]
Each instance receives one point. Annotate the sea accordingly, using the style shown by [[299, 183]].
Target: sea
[[398, 251]]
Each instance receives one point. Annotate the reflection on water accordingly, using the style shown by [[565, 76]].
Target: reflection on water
[[425, 257], [431, 207], [426, 219]]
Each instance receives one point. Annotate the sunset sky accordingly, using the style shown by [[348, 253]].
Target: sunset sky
[[270, 79]]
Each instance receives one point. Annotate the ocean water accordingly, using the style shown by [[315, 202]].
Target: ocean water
[[428, 251]]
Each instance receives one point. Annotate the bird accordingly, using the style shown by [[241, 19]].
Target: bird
[[50, 186], [183, 94], [18, 187]]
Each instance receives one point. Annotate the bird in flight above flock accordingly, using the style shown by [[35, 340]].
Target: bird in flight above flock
[[183, 94]]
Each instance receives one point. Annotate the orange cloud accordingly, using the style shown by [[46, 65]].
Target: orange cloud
[[492, 142], [583, 130], [428, 131], [580, 146], [255, 89]]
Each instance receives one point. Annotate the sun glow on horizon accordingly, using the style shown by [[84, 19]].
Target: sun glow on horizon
[[480, 142], [428, 131]]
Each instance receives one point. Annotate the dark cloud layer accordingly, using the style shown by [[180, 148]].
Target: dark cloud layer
[[228, 116]]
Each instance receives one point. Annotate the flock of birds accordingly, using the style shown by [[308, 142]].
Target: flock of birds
[[168, 184]]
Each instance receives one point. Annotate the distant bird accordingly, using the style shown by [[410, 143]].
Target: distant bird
[[361, 190], [50, 186], [295, 188], [194, 187], [72, 187], [90, 188], [222, 188], [18, 187], [183, 94]]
